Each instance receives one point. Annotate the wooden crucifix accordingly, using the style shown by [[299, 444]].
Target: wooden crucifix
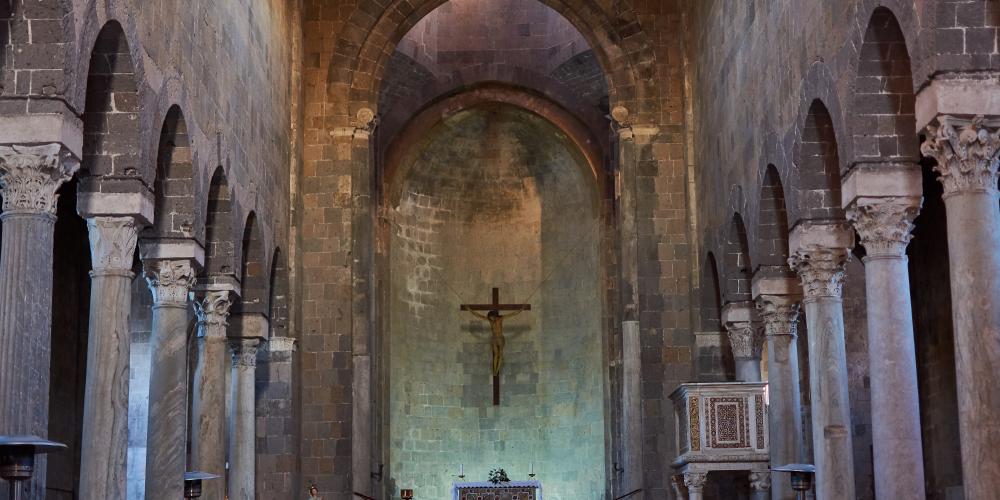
[[496, 325]]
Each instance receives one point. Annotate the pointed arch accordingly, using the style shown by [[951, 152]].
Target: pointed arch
[[220, 246], [111, 143], [278, 300], [737, 262], [819, 166], [174, 184], [884, 121], [772, 234], [711, 296], [253, 278]]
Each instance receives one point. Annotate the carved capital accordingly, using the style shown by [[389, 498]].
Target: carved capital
[[966, 151], [244, 351], [170, 281], [821, 270], [112, 243], [695, 481], [884, 225], [213, 310], [780, 315], [760, 481], [31, 175], [746, 339]]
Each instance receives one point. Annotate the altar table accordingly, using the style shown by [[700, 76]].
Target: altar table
[[514, 490]]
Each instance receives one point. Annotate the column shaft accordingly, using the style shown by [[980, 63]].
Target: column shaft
[[208, 409], [104, 443], [167, 429], [29, 179], [242, 476]]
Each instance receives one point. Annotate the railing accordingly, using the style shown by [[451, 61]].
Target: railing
[[362, 495], [629, 494]]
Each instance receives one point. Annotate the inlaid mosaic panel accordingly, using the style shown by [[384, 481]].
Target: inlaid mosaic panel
[[498, 493], [760, 421], [695, 425], [729, 425]]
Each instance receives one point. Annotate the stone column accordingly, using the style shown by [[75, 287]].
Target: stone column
[[820, 251], [967, 154], [745, 338], [695, 483], [760, 485], [170, 281], [29, 178], [104, 443], [242, 474], [882, 200], [778, 305], [208, 408]]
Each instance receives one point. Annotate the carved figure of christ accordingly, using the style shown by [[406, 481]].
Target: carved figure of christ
[[497, 340]]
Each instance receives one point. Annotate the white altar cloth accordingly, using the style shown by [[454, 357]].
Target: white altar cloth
[[537, 485]]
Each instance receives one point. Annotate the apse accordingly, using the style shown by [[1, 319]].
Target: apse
[[496, 196]]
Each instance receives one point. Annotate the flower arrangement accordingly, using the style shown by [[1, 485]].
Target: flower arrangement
[[498, 476]]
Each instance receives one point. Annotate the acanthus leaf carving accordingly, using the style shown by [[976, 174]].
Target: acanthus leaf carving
[[967, 153], [746, 339], [885, 226], [170, 281], [822, 271], [213, 311], [112, 243], [244, 351], [30, 176], [760, 480]]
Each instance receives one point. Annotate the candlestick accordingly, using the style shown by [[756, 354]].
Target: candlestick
[[461, 471], [531, 469]]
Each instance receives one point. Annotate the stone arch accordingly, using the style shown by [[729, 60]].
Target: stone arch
[[278, 295], [362, 53], [174, 184], [220, 247], [112, 144], [883, 120], [253, 277], [711, 295], [818, 161], [772, 230], [737, 262]]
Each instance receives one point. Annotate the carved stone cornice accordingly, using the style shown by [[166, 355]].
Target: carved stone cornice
[[213, 310], [966, 151], [112, 244], [746, 339], [760, 481], [244, 351], [31, 175], [884, 225], [821, 270], [170, 281], [281, 344], [780, 315]]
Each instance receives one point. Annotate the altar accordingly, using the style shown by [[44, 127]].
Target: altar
[[513, 490]]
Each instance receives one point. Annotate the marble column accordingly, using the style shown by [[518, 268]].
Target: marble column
[[745, 338], [966, 150], [882, 200], [820, 251], [104, 442], [695, 483], [208, 409], [29, 179], [242, 474], [166, 452], [778, 305], [760, 485]]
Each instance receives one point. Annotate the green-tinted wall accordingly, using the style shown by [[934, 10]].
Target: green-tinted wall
[[496, 198]]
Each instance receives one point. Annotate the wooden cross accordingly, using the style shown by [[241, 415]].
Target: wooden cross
[[496, 325]]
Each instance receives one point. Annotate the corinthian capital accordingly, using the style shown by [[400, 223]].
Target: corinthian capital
[[884, 225], [112, 243], [244, 351], [213, 309], [743, 327], [170, 281], [31, 175], [819, 253], [966, 151], [780, 315]]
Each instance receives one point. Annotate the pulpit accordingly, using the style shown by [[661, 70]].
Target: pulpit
[[720, 427], [513, 490]]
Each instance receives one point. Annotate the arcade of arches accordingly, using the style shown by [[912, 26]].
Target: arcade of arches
[[284, 242]]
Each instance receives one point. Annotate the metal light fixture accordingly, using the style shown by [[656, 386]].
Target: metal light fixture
[[17, 458], [192, 483], [802, 477]]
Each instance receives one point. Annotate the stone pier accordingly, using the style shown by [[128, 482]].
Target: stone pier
[[820, 251], [208, 408], [170, 280], [778, 295], [29, 179], [967, 150], [882, 200]]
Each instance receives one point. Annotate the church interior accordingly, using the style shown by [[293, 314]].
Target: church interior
[[504, 249]]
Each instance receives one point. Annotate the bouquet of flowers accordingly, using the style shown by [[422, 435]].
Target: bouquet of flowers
[[498, 476]]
